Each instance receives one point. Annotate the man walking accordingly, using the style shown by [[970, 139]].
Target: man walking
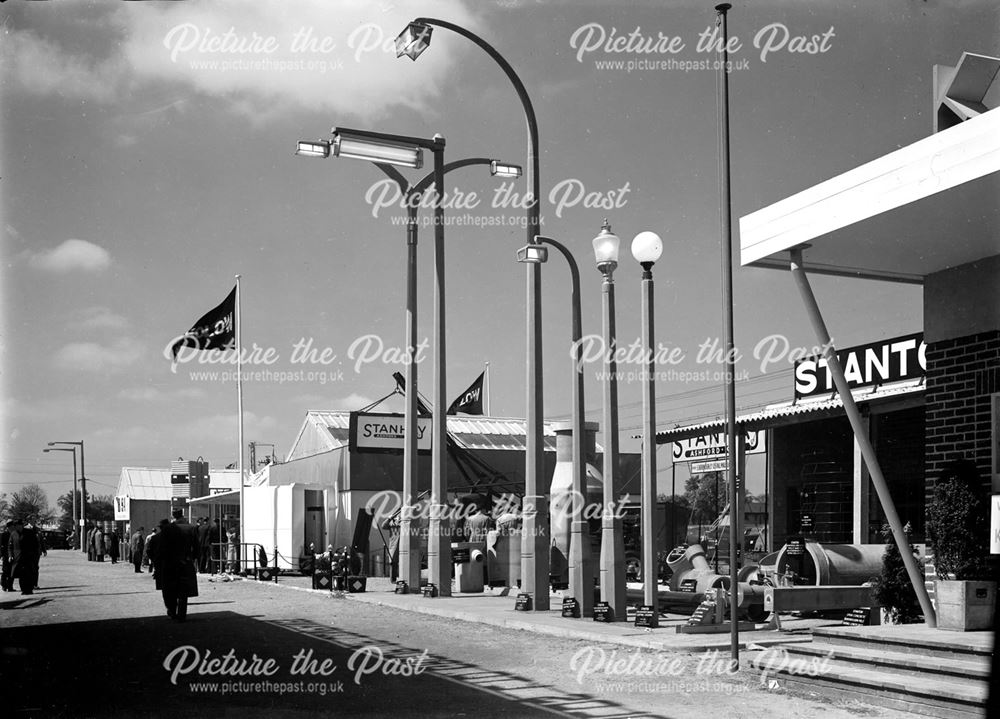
[[177, 574], [136, 546]]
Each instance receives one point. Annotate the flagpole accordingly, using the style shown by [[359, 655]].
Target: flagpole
[[488, 388], [239, 405]]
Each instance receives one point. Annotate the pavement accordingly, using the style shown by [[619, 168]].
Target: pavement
[[496, 608], [94, 641]]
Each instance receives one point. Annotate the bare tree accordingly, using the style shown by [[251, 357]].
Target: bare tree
[[30, 504]]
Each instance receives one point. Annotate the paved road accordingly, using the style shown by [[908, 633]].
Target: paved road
[[94, 641]]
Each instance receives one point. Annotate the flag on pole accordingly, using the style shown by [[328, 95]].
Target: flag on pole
[[471, 400], [216, 330]]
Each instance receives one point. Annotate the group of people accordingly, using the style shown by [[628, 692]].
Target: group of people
[[21, 549], [100, 542]]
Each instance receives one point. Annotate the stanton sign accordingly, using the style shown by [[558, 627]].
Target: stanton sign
[[713, 447], [892, 360]]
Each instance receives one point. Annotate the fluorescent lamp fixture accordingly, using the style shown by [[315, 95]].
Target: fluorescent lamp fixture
[[502, 169], [413, 40], [606, 247], [313, 148], [647, 247], [533, 254], [377, 150]]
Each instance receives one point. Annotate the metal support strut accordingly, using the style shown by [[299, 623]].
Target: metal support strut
[[864, 443]]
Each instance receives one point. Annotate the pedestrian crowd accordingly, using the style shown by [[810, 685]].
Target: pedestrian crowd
[[21, 549]]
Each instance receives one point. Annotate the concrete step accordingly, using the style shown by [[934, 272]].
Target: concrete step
[[973, 669], [920, 692], [913, 639]]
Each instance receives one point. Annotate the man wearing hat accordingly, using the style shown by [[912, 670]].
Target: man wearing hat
[[176, 565], [6, 583]]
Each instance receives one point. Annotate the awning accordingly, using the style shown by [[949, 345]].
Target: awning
[[787, 413], [886, 219]]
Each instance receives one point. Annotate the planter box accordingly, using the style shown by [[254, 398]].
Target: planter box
[[965, 606]]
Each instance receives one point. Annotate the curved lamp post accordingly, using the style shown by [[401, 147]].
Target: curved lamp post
[[581, 570], [83, 492], [414, 39], [76, 530], [386, 159], [612, 563], [646, 249]]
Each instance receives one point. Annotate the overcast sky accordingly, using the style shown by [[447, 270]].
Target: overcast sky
[[148, 157]]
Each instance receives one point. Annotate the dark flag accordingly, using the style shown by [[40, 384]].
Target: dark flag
[[216, 330], [471, 400]]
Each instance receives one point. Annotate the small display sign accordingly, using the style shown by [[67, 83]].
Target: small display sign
[[603, 613], [688, 585], [645, 616], [460, 555], [431, 590], [857, 617], [807, 523], [402, 587], [795, 546], [523, 603], [571, 608]]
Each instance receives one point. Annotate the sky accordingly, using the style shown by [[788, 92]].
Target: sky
[[148, 157]]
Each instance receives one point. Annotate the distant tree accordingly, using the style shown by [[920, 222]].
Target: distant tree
[[706, 495], [100, 508], [30, 504]]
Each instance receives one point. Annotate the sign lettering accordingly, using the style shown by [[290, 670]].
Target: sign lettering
[[892, 360]]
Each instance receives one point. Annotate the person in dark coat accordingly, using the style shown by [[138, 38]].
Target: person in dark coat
[[90, 544], [136, 546], [176, 565], [204, 544], [151, 541], [6, 583], [113, 545], [25, 551]]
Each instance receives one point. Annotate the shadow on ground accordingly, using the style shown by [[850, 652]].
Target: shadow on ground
[[124, 668]]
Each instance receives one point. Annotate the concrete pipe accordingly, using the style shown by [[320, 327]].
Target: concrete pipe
[[691, 564], [828, 564]]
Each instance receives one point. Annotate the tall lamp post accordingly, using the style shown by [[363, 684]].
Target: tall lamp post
[[408, 152], [73, 450], [414, 39], [409, 560], [646, 249], [83, 492], [581, 569], [612, 564]]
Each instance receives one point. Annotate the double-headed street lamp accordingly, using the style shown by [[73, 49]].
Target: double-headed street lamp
[[646, 249], [386, 152], [414, 39], [83, 490], [73, 450], [612, 564]]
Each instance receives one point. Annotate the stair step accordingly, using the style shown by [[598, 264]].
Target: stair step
[[926, 642], [973, 668], [920, 694]]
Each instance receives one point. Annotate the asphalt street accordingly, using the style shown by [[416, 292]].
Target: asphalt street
[[94, 641]]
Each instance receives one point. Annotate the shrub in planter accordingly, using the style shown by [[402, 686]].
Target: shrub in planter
[[957, 530], [892, 588]]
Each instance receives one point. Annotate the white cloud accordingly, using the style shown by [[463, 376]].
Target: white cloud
[[94, 357], [260, 59], [273, 56], [350, 403], [72, 255], [98, 318], [39, 65]]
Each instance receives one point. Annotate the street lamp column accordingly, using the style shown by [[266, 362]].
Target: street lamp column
[[612, 561], [412, 41], [73, 450], [646, 249], [83, 492]]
